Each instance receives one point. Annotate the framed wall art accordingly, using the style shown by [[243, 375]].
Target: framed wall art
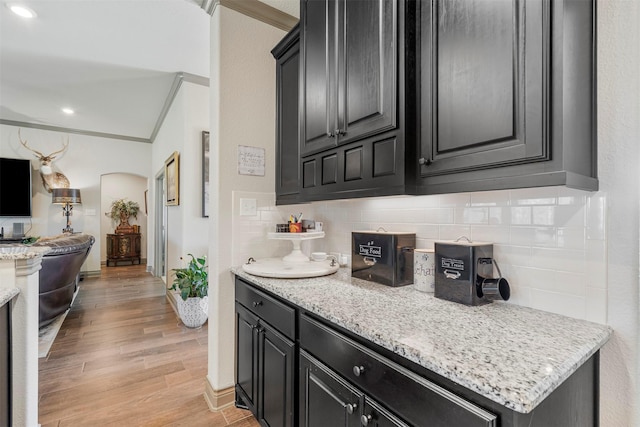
[[205, 173], [172, 179]]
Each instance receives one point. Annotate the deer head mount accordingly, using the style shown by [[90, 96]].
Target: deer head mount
[[50, 178]]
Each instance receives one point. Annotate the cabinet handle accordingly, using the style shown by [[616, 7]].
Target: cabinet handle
[[424, 161], [365, 420], [351, 408], [257, 303], [340, 132], [331, 134], [358, 370]]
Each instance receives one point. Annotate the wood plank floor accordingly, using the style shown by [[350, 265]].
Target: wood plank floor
[[123, 358]]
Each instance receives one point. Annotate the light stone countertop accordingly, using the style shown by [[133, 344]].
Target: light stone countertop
[[6, 294], [513, 355], [19, 251]]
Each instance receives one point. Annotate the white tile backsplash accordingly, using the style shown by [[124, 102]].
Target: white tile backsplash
[[550, 242]]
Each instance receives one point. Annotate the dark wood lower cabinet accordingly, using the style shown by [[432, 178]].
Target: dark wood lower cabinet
[[265, 369], [123, 247], [325, 399], [310, 372], [5, 364]]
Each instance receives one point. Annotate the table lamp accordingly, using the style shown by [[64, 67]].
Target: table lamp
[[67, 197]]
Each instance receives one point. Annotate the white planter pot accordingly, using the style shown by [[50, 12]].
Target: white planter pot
[[194, 311]]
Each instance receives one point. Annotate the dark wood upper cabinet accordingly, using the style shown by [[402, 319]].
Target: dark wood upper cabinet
[[441, 96], [507, 95], [482, 87], [349, 71], [287, 55]]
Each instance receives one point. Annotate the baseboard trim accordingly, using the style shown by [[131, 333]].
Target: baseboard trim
[[218, 400]]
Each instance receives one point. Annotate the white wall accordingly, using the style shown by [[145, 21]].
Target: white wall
[[131, 188], [187, 231], [243, 113], [84, 162]]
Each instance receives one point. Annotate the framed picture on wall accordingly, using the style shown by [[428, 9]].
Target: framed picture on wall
[[172, 179], [205, 173]]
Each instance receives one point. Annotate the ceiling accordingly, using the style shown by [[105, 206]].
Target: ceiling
[[115, 62]]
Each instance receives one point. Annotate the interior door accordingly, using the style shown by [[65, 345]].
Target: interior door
[[160, 247]]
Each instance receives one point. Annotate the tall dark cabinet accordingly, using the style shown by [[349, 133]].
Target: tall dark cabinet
[[287, 55]]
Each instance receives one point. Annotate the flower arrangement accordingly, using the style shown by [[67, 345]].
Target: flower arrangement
[[121, 210]]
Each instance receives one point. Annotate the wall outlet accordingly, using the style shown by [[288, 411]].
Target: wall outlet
[[248, 207]]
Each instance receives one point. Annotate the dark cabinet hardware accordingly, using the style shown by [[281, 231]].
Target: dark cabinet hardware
[[257, 303], [351, 408], [366, 419], [358, 370]]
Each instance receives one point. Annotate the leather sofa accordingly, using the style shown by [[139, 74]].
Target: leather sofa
[[60, 271]]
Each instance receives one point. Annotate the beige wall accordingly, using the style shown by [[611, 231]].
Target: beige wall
[[243, 113]]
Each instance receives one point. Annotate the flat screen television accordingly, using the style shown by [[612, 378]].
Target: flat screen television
[[15, 187]]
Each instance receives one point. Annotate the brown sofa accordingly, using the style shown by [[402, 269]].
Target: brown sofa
[[60, 273]]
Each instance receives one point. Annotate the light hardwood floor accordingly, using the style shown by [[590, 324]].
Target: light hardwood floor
[[123, 358]]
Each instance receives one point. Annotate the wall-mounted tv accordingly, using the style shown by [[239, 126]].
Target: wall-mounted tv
[[15, 187]]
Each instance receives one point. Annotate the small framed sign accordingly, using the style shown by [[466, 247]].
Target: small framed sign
[[251, 160]]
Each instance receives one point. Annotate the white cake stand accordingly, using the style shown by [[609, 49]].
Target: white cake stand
[[296, 254], [296, 265]]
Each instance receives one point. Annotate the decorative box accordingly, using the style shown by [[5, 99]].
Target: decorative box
[[383, 257]]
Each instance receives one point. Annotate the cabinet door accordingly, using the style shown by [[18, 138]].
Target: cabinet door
[[276, 378], [349, 71], [287, 132], [318, 84], [5, 364], [374, 415], [326, 400], [368, 68], [483, 90], [246, 358]]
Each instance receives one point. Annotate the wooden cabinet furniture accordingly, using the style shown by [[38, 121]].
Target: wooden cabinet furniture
[[5, 364], [123, 247], [355, 96], [343, 379], [507, 95], [403, 97], [287, 55], [265, 356]]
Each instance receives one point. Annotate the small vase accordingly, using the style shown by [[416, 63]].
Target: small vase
[[194, 311]]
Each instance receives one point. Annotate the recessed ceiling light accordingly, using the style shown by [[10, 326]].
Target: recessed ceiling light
[[68, 111], [21, 10]]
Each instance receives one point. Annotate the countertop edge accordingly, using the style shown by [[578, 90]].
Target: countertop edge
[[7, 294]]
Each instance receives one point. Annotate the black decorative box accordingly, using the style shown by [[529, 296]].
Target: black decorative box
[[383, 257], [459, 265]]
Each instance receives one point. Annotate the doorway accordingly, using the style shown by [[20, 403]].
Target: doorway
[[160, 227]]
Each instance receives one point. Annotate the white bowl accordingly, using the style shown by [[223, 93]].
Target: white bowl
[[318, 256]]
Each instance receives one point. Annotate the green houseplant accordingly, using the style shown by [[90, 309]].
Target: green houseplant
[[121, 210], [193, 285]]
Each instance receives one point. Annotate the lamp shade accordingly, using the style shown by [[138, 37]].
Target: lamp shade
[[63, 196]]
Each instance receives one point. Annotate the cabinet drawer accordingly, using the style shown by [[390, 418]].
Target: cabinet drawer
[[277, 314], [415, 399]]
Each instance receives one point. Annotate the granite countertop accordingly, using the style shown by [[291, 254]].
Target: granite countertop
[[20, 251], [6, 294], [513, 355]]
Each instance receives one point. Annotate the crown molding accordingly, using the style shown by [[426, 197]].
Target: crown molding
[[72, 130], [255, 9], [173, 92]]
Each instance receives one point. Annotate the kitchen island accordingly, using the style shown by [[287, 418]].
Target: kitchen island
[[509, 355]]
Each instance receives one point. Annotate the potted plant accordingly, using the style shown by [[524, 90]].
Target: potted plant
[[121, 210], [193, 285]]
